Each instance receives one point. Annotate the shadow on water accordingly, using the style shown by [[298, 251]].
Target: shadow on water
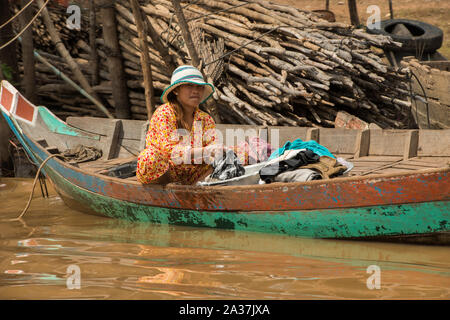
[[130, 260]]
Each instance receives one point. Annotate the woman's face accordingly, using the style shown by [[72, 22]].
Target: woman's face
[[189, 95]]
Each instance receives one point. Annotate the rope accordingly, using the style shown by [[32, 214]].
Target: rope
[[411, 74], [34, 185], [18, 13], [26, 27]]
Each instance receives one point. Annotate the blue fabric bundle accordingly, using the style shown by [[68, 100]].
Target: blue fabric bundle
[[300, 144]]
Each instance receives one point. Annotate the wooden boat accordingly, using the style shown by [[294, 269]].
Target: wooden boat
[[398, 189]]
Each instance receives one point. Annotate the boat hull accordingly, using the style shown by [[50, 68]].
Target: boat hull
[[404, 222], [387, 216]]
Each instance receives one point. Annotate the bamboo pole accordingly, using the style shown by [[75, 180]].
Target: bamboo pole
[[73, 84], [145, 59], [66, 55], [163, 50]]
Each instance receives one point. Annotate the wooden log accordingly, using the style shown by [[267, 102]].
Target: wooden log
[[27, 43], [353, 10], [186, 33], [145, 59], [115, 67], [93, 48]]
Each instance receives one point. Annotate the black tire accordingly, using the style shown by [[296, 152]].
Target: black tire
[[426, 37]]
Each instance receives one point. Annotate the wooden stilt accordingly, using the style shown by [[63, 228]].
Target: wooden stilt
[[29, 76], [114, 59], [353, 10], [391, 9], [145, 59], [95, 79]]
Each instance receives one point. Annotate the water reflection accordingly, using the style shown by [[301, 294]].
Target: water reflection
[[128, 260]]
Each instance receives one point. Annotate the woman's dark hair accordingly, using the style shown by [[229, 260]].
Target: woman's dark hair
[[179, 114], [171, 97]]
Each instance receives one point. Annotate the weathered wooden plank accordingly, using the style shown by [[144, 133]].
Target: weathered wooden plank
[[380, 168], [434, 143], [143, 135], [131, 128], [110, 143], [372, 158], [279, 135], [411, 143], [313, 134], [338, 140], [387, 142], [408, 166], [393, 170], [362, 143]]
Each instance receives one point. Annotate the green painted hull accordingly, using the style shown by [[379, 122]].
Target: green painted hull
[[388, 222]]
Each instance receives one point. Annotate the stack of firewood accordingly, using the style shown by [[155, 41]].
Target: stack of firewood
[[69, 36], [289, 67], [270, 64]]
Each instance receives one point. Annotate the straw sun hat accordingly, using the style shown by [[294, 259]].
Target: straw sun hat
[[187, 74]]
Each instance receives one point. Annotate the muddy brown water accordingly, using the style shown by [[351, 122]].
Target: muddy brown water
[[58, 253]]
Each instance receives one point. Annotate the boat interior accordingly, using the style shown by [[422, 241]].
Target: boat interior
[[371, 151]]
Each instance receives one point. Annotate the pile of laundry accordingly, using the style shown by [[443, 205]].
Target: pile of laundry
[[296, 161]]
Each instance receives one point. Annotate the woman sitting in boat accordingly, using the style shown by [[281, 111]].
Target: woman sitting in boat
[[181, 140]]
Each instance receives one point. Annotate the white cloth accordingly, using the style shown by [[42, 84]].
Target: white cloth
[[298, 175]]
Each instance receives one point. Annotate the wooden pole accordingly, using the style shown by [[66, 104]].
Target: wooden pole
[[209, 105], [95, 80], [327, 4], [29, 75], [391, 9], [145, 59], [163, 50], [353, 10], [66, 55], [186, 33], [114, 59]]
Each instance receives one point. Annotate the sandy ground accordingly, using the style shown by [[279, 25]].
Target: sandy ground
[[436, 12]]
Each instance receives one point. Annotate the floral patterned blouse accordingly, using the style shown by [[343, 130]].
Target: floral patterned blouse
[[167, 148]]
